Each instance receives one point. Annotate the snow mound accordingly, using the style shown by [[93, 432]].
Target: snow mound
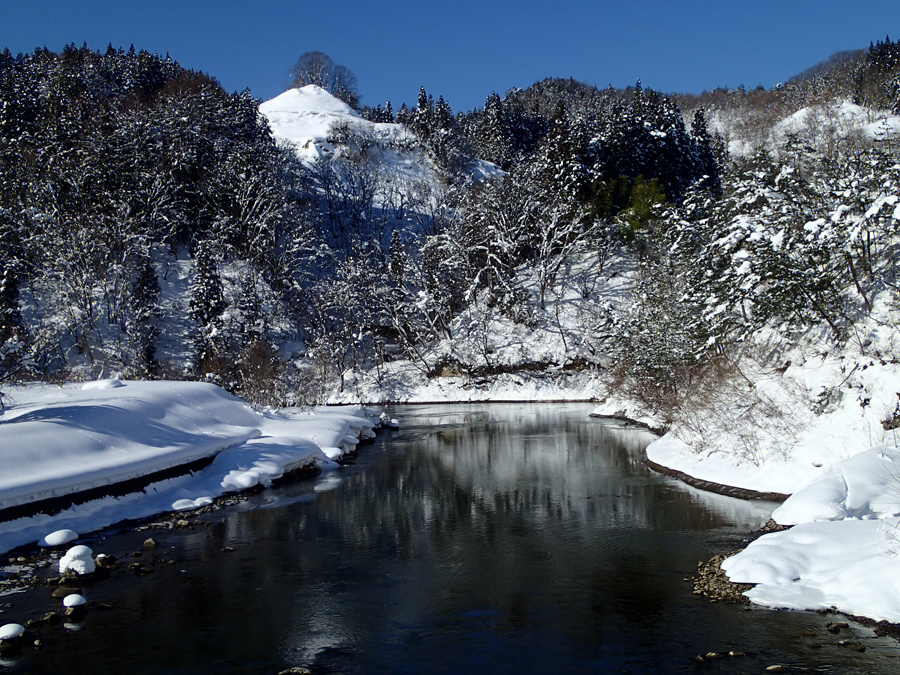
[[305, 118], [78, 560], [865, 486], [844, 551], [58, 538], [11, 631]]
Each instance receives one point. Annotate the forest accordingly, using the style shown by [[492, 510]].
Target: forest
[[151, 225]]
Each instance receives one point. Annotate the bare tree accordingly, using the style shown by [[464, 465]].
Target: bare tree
[[319, 69]]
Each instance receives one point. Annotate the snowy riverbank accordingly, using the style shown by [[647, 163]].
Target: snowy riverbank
[[58, 441], [822, 429]]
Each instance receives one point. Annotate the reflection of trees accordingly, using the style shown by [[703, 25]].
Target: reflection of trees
[[533, 525], [494, 511]]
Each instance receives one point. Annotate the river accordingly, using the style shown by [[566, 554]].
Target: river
[[482, 538]]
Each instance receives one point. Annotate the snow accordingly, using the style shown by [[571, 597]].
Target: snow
[[813, 429], [58, 441], [305, 118], [58, 538], [11, 631], [818, 125], [843, 549], [77, 560]]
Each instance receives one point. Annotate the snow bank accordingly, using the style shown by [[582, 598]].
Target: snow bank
[[58, 441], [844, 550], [865, 486], [848, 564], [823, 429], [71, 439]]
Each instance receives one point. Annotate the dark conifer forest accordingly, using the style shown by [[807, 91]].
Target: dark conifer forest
[[151, 225]]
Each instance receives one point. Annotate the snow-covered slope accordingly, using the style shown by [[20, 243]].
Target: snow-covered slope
[[306, 118], [820, 126], [56, 441]]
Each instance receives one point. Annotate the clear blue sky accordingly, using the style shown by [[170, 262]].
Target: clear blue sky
[[463, 50]]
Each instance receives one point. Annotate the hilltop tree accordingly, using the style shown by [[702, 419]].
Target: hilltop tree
[[318, 68]]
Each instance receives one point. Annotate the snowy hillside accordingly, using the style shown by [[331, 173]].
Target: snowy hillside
[[818, 126]]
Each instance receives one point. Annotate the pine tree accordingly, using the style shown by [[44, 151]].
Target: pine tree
[[143, 324], [207, 307], [494, 140]]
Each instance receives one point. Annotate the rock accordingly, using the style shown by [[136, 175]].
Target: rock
[[76, 614], [62, 591], [734, 652], [8, 647], [853, 645], [51, 618], [711, 582], [150, 543], [140, 569], [775, 669], [713, 655], [296, 670], [106, 561], [74, 600]]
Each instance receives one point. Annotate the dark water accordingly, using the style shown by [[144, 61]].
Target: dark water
[[478, 539]]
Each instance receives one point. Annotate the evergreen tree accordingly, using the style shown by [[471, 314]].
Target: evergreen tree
[[143, 324], [494, 140], [207, 307]]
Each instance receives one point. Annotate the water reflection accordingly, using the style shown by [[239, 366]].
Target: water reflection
[[484, 538]]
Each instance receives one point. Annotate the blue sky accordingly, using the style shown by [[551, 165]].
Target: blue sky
[[463, 50]]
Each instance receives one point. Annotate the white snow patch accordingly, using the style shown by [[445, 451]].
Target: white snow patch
[[58, 538], [11, 631]]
